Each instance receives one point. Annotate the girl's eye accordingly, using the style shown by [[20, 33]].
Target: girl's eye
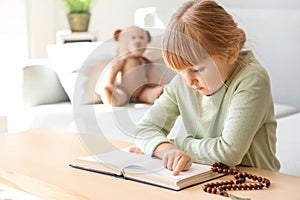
[[198, 69], [133, 37], [141, 37]]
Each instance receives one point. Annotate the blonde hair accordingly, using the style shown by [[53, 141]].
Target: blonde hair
[[197, 30]]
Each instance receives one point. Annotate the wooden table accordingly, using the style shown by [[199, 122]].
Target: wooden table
[[36, 161]]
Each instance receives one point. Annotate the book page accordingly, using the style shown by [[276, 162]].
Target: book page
[[118, 159], [155, 165]]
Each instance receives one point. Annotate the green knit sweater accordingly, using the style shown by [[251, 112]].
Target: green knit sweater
[[235, 126]]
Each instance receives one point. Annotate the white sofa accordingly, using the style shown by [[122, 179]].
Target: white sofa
[[61, 90], [48, 89], [288, 151]]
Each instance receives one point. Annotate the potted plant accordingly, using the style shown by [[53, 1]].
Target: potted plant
[[79, 14]]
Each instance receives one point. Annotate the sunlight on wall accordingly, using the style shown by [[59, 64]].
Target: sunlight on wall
[[13, 51], [147, 18]]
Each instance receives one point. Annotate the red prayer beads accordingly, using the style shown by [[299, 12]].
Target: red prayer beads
[[238, 184]]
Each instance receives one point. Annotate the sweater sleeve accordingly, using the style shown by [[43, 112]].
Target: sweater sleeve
[[246, 113], [156, 124]]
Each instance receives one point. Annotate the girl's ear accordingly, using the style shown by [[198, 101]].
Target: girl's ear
[[233, 53]]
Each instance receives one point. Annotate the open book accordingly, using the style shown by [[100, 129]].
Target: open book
[[144, 169]]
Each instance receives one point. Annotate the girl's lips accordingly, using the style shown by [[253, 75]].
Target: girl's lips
[[200, 88], [195, 87]]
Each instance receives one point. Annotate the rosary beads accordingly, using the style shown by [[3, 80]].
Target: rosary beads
[[238, 184]]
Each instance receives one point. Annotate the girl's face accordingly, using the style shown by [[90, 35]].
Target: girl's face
[[206, 77]]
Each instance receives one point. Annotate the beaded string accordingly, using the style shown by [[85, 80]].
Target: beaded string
[[239, 183]]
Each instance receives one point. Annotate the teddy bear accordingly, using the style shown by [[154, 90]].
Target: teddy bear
[[128, 74]]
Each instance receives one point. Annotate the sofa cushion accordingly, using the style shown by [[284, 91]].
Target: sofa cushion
[[282, 110], [68, 59], [40, 85]]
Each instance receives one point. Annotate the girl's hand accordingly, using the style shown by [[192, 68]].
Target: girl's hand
[[173, 158], [135, 150]]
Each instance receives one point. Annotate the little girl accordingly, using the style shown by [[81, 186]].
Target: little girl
[[221, 92]]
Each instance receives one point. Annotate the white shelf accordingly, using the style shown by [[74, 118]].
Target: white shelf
[[63, 37]]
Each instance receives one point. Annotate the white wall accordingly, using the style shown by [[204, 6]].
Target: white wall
[[13, 51], [41, 26], [265, 4], [272, 29], [48, 16]]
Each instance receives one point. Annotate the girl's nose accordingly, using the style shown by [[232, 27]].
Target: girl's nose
[[194, 82], [190, 78]]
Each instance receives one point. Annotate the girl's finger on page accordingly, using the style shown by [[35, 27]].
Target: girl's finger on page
[[135, 150], [188, 165], [168, 160], [176, 160], [132, 149], [183, 164]]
